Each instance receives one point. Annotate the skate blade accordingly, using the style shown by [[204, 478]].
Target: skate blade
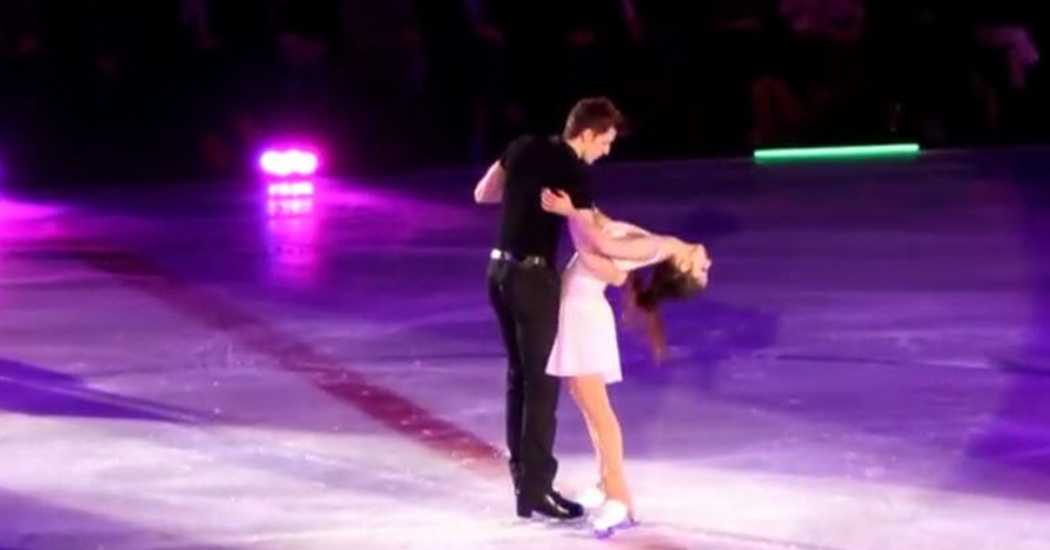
[[608, 531], [539, 520]]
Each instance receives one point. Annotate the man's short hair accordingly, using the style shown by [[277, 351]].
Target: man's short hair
[[597, 114]]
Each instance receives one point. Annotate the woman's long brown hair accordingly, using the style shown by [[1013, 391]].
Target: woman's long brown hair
[[666, 282]]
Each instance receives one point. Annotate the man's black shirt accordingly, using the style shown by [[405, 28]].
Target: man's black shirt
[[532, 163]]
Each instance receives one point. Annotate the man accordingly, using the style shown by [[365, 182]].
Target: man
[[524, 286]]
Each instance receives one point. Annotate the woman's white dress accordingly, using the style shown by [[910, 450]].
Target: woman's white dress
[[586, 338]]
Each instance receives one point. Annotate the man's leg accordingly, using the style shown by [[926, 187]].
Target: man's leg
[[535, 296], [535, 302], [497, 277]]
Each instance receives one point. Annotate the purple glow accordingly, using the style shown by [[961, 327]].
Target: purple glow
[[23, 211], [291, 188], [287, 162], [293, 226], [20, 221], [289, 207]]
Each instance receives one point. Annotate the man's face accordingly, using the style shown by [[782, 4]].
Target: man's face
[[596, 146]]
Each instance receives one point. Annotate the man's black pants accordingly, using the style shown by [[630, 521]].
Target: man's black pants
[[526, 298]]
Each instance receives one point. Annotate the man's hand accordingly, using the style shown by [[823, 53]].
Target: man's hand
[[556, 202]]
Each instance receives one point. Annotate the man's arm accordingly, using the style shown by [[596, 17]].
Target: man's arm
[[489, 189]]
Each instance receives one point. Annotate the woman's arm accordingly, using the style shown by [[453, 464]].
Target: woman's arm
[[489, 189], [626, 229], [603, 268], [638, 246], [588, 237]]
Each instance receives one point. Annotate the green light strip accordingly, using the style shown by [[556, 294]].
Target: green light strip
[[836, 152]]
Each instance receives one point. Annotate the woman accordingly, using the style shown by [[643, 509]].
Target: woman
[[585, 350]]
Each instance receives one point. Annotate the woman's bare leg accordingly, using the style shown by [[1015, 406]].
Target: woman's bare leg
[[593, 399], [595, 439]]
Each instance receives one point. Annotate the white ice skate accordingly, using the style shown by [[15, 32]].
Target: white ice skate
[[590, 498], [612, 516]]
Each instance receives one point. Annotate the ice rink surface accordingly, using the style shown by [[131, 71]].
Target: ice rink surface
[[208, 368]]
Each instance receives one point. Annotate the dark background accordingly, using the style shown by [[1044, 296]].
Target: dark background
[[160, 90]]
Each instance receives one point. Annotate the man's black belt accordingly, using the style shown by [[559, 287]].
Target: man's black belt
[[526, 261]]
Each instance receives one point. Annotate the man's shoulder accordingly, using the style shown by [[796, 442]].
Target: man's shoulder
[[525, 142], [536, 141], [525, 146], [524, 138], [514, 149]]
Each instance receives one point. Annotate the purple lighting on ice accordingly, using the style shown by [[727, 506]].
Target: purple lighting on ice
[[290, 188]]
